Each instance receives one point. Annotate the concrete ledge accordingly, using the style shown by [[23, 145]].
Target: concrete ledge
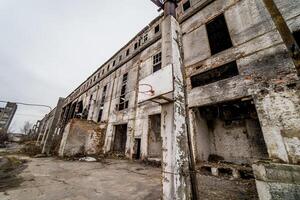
[[276, 181], [275, 172]]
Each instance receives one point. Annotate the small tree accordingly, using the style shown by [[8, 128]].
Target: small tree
[[26, 128]]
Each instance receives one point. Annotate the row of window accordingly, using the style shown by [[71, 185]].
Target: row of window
[[139, 43]]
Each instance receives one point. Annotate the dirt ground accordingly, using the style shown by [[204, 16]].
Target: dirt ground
[[55, 179]]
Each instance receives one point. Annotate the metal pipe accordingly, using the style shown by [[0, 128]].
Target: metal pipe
[[27, 104], [284, 31]]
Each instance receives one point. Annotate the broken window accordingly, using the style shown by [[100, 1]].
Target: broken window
[[127, 52], [135, 46], [145, 37], [102, 103], [218, 35], [186, 5], [123, 103], [157, 62], [223, 72], [156, 29], [297, 37]]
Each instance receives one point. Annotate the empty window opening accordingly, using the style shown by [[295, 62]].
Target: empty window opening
[[227, 172], [127, 52], [136, 46], [137, 149], [114, 63], [229, 132], [154, 137], [145, 38], [223, 72], [107, 68], [120, 58], [206, 170], [297, 37], [246, 174], [71, 113], [123, 102], [186, 5], [102, 104], [100, 114], [157, 62], [120, 139], [79, 109], [218, 35], [156, 29]]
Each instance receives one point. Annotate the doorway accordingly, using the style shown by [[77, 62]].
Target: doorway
[[137, 149], [120, 139], [154, 137]]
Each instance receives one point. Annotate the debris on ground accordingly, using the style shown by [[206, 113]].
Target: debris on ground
[[10, 167], [40, 156], [88, 159], [31, 149]]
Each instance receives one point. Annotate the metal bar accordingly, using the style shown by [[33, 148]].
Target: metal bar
[[28, 104], [284, 31]]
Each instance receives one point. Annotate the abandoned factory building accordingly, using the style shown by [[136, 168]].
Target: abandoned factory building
[[211, 89]]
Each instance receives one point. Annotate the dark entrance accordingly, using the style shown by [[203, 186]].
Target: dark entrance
[[120, 138], [137, 148], [154, 137]]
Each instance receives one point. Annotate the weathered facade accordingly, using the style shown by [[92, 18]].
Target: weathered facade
[[7, 113], [235, 102]]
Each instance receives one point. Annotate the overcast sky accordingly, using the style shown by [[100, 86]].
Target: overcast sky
[[48, 47]]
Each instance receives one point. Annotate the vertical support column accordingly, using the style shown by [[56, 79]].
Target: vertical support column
[[53, 125], [278, 112], [176, 178], [279, 115]]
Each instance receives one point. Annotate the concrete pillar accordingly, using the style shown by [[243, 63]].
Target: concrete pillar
[[52, 127], [278, 111], [175, 163]]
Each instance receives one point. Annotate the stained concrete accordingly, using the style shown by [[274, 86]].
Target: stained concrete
[[52, 179]]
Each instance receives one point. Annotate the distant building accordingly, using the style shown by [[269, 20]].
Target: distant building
[[6, 115]]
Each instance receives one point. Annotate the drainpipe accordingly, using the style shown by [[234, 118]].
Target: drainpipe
[[284, 32]]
